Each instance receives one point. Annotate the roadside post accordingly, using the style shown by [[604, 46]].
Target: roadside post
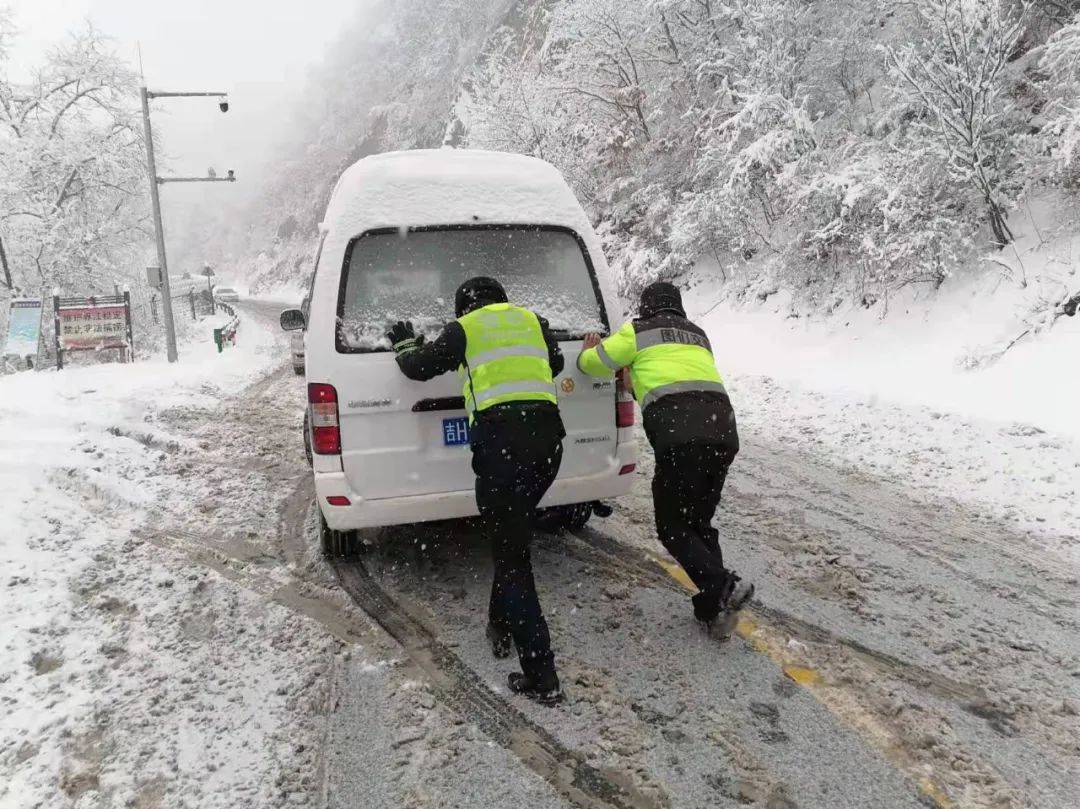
[[56, 330], [127, 318]]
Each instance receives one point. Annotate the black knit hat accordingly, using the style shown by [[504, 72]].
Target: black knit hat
[[661, 296], [477, 292]]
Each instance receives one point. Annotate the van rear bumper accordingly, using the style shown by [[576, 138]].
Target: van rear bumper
[[363, 513]]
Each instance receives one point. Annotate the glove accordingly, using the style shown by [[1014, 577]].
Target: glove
[[403, 338]]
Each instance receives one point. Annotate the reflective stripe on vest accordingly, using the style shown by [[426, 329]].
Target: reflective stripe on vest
[[511, 388], [681, 387], [672, 360], [506, 358], [605, 358], [504, 353], [657, 337]]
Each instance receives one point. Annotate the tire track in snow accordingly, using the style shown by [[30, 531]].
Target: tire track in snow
[[566, 770]]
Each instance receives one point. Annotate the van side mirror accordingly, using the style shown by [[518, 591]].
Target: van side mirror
[[293, 320]]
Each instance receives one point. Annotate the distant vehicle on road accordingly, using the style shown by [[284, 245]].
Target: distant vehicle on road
[[226, 295], [402, 231]]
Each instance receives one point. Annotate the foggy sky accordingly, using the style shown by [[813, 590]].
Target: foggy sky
[[259, 51]]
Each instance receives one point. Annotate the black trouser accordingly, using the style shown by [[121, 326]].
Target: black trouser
[[514, 469], [686, 491]]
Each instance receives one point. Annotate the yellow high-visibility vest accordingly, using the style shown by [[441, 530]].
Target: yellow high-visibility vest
[[506, 358]]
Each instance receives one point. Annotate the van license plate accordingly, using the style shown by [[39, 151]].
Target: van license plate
[[455, 431]]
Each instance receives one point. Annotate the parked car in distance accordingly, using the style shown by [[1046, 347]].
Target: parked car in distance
[[226, 295]]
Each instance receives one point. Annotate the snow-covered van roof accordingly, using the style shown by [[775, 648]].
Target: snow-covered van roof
[[450, 187]]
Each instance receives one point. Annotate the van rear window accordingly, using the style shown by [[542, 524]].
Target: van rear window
[[413, 275]]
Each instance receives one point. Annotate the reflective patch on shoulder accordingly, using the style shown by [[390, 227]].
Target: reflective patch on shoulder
[[672, 336]]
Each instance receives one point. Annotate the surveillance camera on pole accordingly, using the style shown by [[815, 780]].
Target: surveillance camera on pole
[[223, 105]]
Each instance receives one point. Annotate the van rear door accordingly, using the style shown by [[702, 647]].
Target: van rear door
[[402, 438]]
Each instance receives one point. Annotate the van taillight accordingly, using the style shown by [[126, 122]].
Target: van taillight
[[624, 403], [325, 432]]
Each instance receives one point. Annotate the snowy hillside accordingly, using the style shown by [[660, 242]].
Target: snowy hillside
[[805, 147]]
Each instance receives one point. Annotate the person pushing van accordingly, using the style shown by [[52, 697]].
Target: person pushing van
[[507, 360], [691, 425]]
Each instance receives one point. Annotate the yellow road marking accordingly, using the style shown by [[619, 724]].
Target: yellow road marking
[[677, 573], [772, 644], [803, 676]]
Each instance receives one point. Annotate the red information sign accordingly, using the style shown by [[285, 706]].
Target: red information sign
[[92, 324], [93, 327]]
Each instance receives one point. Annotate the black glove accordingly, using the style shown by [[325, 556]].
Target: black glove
[[403, 338]]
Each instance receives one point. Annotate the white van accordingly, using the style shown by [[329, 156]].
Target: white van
[[402, 231]]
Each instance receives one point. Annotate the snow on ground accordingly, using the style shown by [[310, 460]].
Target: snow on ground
[[133, 678], [128, 677], [891, 396]]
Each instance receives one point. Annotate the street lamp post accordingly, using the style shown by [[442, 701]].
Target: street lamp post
[[155, 181]]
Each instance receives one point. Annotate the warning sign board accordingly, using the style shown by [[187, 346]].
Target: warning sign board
[[93, 327], [92, 324]]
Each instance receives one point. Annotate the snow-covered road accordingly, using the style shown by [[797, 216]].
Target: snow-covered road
[[171, 638]]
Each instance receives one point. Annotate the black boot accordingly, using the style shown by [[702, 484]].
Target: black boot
[[500, 641], [720, 615], [544, 690]]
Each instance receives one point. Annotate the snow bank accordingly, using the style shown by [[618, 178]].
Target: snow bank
[[97, 631], [891, 397], [915, 356]]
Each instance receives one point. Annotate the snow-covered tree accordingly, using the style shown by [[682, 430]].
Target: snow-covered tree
[[1060, 65], [954, 84], [72, 176]]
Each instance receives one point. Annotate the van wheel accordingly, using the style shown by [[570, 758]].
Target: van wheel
[[576, 516], [338, 544], [307, 439]]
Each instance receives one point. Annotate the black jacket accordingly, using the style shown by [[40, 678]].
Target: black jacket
[[701, 417], [446, 353]]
